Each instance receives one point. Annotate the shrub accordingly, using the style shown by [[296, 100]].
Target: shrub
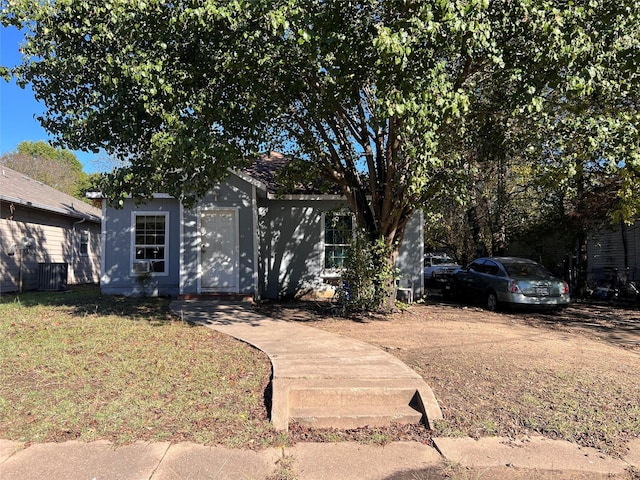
[[368, 278]]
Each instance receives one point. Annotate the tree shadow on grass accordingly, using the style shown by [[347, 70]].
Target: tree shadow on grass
[[85, 300]]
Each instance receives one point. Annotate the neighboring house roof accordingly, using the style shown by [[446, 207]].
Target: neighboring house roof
[[20, 189]]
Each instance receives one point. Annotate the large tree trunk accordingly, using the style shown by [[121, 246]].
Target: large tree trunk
[[385, 234]]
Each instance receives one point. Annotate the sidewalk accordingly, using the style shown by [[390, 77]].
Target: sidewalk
[[489, 458], [164, 461]]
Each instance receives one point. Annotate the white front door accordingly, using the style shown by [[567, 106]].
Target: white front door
[[219, 251]]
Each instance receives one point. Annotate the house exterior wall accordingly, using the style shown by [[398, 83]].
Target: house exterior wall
[[279, 242], [411, 254], [292, 249], [233, 195], [606, 251], [117, 277], [56, 239], [606, 255], [185, 243]]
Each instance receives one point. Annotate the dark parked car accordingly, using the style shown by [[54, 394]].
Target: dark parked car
[[438, 271], [510, 281]]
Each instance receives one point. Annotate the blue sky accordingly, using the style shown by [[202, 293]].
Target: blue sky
[[18, 107]]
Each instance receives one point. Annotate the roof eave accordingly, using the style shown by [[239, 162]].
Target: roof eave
[[250, 180], [305, 196], [47, 208]]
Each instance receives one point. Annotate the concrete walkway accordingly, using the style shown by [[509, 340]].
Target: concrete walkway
[[320, 378]]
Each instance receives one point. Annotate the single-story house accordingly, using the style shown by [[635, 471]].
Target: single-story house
[[48, 239], [242, 238]]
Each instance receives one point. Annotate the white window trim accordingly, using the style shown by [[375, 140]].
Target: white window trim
[[332, 272], [80, 234], [133, 242]]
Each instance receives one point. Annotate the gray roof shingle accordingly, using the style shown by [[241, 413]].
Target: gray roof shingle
[[19, 188], [268, 170]]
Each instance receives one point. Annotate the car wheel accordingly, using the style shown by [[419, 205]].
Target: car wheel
[[491, 302]]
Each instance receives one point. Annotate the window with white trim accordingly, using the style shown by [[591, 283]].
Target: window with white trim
[[150, 242], [338, 234], [83, 243]]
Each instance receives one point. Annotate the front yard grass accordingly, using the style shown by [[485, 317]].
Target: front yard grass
[[77, 365]]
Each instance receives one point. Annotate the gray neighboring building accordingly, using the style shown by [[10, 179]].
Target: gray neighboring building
[[612, 255], [241, 238], [48, 239]]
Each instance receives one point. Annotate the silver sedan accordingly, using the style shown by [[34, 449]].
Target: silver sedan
[[510, 281]]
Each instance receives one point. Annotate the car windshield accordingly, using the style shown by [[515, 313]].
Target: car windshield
[[522, 269]]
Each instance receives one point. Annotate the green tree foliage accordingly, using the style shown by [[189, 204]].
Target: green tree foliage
[[380, 97], [56, 167], [44, 150], [566, 165]]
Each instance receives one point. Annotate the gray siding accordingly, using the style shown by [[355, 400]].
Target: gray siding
[[117, 277], [606, 250], [280, 249], [292, 249], [185, 243], [411, 256], [234, 194], [292, 256]]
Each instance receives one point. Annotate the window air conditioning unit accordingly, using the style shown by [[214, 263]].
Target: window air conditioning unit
[[141, 266]]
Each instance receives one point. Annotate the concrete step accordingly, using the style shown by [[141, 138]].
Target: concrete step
[[352, 407], [354, 417], [328, 396]]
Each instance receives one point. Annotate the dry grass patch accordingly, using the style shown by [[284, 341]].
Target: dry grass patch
[[81, 366], [572, 376]]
